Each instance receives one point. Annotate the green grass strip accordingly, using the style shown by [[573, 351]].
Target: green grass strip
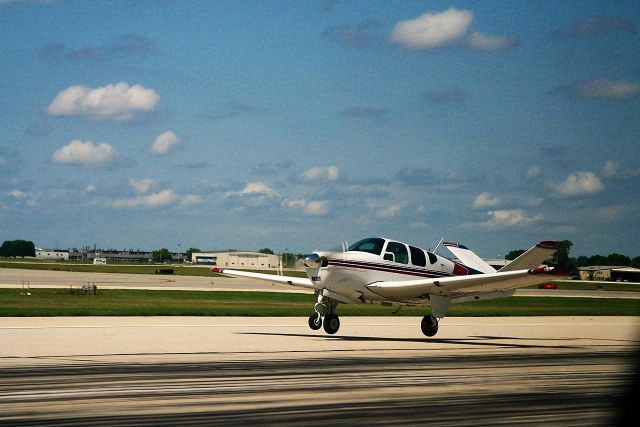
[[58, 302]]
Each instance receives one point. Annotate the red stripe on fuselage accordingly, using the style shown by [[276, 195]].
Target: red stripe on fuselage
[[388, 269]]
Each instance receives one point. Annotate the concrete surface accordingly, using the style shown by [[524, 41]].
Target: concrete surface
[[275, 371]]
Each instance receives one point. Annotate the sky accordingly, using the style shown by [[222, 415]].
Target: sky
[[297, 125]]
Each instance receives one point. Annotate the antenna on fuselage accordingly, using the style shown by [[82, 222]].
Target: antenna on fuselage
[[438, 245]]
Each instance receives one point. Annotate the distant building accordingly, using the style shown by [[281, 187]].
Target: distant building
[[497, 263], [236, 259], [114, 255], [55, 254], [609, 273]]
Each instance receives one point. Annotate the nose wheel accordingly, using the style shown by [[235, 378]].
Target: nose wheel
[[315, 321]]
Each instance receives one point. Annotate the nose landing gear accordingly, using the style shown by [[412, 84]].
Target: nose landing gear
[[325, 306], [315, 321]]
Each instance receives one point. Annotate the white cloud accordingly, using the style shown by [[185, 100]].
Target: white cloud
[[164, 143], [321, 174], [317, 208], [18, 194], [190, 200], [578, 184], [255, 194], [89, 188], [114, 101], [486, 200], [609, 169], [509, 218], [533, 172], [141, 186], [388, 212], [252, 189], [433, 29], [620, 90], [312, 207], [80, 153], [437, 29], [488, 43], [161, 198]]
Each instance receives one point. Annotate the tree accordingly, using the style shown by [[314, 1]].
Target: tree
[[266, 251], [514, 254], [17, 248], [561, 257], [618, 259], [190, 251], [161, 255], [635, 262]]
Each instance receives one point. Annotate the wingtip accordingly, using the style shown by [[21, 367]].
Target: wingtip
[[216, 270], [454, 245], [548, 244]]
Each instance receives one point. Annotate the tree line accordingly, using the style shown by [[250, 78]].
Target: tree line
[[562, 258]]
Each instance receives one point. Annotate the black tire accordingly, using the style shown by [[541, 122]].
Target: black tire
[[331, 324], [429, 326], [315, 321]]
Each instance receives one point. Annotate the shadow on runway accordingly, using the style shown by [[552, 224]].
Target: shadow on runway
[[474, 341]]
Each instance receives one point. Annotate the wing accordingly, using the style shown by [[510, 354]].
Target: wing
[[301, 282], [461, 287]]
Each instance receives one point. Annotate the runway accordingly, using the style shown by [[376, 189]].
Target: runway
[[275, 371]]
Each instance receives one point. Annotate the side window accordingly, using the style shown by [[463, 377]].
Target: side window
[[432, 257], [417, 256], [399, 252]]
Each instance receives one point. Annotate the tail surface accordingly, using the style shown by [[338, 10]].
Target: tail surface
[[533, 257], [469, 258]]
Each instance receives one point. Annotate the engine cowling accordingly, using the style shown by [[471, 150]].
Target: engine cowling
[[313, 261]]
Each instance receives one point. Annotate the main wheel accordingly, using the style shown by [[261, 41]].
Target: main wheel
[[429, 325], [315, 321], [331, 323]]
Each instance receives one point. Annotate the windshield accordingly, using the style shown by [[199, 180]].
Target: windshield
[[372, 245]]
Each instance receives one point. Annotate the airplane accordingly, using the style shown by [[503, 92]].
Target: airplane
[[388, 271]]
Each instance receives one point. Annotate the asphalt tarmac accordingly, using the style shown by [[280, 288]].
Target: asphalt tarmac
[[275, 371]]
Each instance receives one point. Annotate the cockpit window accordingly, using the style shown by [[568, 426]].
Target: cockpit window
[[417, 257], [372, 245], [432, 257], [399, 251]]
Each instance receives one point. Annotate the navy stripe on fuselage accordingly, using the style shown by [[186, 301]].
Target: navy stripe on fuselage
[[412, 271]]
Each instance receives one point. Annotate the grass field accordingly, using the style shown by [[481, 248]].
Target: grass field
[[58, 302]]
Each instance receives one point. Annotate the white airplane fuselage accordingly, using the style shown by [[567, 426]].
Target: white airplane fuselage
[[348, 273]]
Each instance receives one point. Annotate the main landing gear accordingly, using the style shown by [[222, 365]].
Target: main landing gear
[[331, 321], [429, 325]]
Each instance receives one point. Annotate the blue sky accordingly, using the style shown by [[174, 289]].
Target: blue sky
[[297, 125]]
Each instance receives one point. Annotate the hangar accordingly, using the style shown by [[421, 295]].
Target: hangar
[[237, 259], [610, 273]]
